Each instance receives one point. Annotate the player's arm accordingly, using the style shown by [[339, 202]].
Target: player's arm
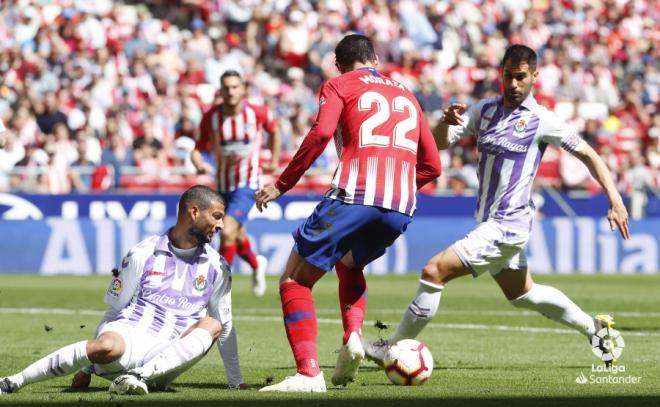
[[203, 139], [219, 307], [428, 159], [457, 121], [123, 287], [555, 131], [617, 213], [274, 141], [330, 109]]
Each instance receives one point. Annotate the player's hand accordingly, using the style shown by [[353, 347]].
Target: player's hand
[[269, 168], [618, 215], [452, 114], [81, 380], [205, 168], [265, 195]]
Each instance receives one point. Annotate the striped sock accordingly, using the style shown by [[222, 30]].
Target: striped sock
[[59, 363], [352, 299], [300, 325]]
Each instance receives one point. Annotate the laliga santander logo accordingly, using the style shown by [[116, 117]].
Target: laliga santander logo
[[608, 345]]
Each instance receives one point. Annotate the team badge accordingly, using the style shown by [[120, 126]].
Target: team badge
[[321, 101], [115, 287], [520, 126], [200, 283]]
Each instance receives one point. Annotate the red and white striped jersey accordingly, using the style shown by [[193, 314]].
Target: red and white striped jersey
[[384, 144], [236, 143]]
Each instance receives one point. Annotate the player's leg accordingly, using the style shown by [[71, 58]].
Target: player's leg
[[234, 239], [353, 293], [300, 325], [228, 236], [367, 244], [258, 263], [519, 288], [438, 271], [474, 254], [316, 250], [106, 348], [170, 361]]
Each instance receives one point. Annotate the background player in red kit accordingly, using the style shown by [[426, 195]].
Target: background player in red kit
[[232, 131], [386, 153]]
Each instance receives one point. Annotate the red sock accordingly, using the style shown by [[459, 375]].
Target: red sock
[[300, 325], [246, 253], [228, 251], [352, 298]]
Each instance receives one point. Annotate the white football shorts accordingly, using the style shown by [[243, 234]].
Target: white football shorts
[[140, 348], [491, 247]]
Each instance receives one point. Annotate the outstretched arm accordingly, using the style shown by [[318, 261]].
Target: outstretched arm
[[451, 117], [330, 108], [617, 213]]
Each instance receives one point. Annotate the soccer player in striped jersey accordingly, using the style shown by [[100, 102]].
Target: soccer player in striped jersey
[[512, 133], [386, 153], [232, 131], [155, 328]]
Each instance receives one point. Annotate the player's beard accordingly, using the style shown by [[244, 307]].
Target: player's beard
[[198, 234]]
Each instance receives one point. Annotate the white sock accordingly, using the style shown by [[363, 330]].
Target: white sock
[[181, 351], [420, 311], [59, 363], [555, 305]]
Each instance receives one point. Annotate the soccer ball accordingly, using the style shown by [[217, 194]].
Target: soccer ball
[[408, 363]]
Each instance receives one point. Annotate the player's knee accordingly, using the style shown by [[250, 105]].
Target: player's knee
[[105, 349], [212, 325], [431, 272], [228, 233]]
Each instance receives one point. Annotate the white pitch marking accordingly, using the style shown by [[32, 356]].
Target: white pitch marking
[[274, 318]]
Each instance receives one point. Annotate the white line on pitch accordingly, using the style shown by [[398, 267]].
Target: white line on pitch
[[273, 318]]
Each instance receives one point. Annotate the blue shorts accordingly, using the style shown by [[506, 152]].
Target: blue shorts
[[335, 228], [239, 202]]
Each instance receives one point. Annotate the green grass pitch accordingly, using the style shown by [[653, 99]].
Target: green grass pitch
[[486, 352]]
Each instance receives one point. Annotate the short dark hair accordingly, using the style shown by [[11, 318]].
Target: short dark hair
[[518, 54], [354, 48], [199, 195], [229, 74]]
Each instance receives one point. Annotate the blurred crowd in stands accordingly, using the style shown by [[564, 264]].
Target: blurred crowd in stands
[[98, 95]]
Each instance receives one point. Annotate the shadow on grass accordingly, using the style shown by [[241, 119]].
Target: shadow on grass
[[322, 400]]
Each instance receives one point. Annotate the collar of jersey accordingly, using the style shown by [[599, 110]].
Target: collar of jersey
[[529, 103], [162, 247], [373, 71]]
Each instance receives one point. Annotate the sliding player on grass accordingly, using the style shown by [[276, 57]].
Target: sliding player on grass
[[512, 132], [154, 328]]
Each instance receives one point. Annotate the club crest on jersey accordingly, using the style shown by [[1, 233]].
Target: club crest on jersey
[[321, 101], [520, 126], [200, 283], [115, 287]]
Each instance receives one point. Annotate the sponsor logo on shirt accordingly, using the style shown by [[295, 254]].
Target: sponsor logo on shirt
[[155, 273], [492, 141], [115, 287], [200, 283]]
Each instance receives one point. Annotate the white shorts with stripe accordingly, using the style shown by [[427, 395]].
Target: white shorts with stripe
[[491, 247], [140, 347]]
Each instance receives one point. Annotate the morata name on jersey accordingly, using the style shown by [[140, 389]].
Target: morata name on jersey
[[367, 79]]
